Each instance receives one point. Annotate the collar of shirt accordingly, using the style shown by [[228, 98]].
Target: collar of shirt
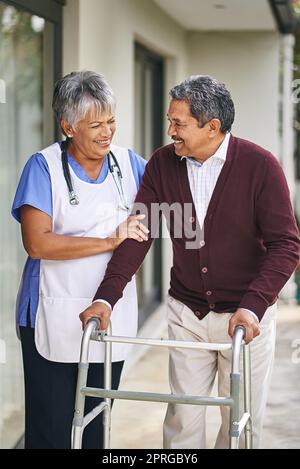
[[219, 155]]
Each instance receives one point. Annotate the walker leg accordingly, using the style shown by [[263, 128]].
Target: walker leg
[[247, 396], [234, 410], [234, 442], [77, 426], [107, 385], [76, 437]]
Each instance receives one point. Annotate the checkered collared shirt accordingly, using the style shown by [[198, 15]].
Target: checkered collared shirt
[[203, 178]]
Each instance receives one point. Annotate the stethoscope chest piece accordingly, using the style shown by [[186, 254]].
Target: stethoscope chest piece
[[73, 199]]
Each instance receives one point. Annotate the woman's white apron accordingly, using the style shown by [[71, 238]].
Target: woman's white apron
[[67, 287]]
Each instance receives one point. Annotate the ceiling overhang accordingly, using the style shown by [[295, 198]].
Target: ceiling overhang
[[231, 15]]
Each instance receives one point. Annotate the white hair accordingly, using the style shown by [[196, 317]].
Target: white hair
[[80, 93]]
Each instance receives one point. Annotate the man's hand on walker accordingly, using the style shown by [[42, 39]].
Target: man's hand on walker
[[244, 318], [96, 310]]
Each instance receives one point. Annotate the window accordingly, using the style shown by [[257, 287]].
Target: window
[[30, 58]]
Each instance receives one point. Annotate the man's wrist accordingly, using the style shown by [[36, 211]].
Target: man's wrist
[[253, 314], [103, 301]]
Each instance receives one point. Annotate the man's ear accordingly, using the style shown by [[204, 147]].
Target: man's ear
[[214, 127]]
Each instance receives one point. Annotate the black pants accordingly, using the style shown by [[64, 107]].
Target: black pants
[[50, 398]]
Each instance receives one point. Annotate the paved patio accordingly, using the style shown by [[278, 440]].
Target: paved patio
[[139, 424]]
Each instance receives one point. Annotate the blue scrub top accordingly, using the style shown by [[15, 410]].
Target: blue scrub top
[[35, 189]]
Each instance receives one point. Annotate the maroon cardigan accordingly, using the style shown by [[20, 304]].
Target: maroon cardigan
[[251, 239]]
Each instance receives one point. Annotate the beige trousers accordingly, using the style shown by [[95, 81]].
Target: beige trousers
[[193, 372]]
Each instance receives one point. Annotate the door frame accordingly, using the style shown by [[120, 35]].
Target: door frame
[[148, 58]]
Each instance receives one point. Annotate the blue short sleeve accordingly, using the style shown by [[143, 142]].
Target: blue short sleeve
[[34, 187], [138, 165]]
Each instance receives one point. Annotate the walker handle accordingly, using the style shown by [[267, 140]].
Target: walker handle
[[96, 321], [240, 328]]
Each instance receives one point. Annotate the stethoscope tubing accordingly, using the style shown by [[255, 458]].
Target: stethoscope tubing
[[73, 198]]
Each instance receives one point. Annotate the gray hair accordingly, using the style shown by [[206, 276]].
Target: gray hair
[[208, 99], [79, 93]]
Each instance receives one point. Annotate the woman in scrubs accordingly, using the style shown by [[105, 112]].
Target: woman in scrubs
[[69, 245]]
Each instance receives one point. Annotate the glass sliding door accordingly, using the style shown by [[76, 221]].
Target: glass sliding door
[[148, 137], [27, 72]]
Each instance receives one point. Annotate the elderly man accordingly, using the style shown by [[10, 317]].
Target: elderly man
[[245, 249]]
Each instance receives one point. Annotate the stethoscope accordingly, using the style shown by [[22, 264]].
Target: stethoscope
[[114, 169]]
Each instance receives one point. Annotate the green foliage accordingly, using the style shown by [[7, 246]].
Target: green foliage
[[296, 7]]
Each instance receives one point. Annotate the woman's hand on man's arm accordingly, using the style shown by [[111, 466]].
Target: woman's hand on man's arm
[[131, 228], [41, 243]]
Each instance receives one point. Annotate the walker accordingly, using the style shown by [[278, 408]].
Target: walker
[[237, 424]]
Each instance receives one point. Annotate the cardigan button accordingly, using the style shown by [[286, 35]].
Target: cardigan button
[[198, 314], [208, 292], [202, 243], [205, 270], [211, 306], [192, 219]]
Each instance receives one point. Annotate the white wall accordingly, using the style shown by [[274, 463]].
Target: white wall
[[99, 35], [105, 43], [249, 65], [71, 36]]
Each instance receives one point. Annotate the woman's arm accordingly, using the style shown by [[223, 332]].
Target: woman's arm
[[41, 243]]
